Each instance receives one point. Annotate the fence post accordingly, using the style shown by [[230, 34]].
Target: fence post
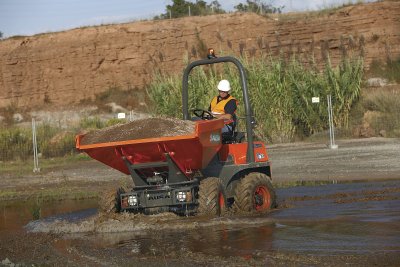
[[35, 149]]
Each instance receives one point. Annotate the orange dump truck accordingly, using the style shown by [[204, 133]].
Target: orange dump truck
[[202, 171]]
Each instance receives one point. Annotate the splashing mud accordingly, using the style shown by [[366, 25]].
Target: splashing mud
[[129, 222]]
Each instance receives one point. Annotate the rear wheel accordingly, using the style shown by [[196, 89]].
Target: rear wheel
[[255, 193], [120, 191], [212, 199]]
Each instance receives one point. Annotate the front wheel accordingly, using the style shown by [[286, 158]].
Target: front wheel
[[255, 193], [212, 199]]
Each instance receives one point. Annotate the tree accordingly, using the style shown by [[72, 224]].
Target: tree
[[1, 35], [180, 8], [200, 8], [258, 6], [215, 7]]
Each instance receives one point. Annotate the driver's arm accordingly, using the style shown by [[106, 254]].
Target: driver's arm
[[220, 116], [223, 116], [230, 109]]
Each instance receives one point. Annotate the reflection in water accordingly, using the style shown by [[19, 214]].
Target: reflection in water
[[219, 240]]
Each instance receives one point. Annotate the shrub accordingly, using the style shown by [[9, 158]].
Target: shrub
[[385, 105], [91, 123], [389, 70]]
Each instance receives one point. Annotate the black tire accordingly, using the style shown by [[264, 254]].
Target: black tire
[[212, 199], [254, 193], [120, 191]]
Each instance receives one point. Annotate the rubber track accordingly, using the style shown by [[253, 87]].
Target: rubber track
[[244, 192]]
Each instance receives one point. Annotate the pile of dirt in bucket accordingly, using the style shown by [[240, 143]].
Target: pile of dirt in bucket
[[140, 129]]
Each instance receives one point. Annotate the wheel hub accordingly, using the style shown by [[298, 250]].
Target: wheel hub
[[262, 198], [258, 199]]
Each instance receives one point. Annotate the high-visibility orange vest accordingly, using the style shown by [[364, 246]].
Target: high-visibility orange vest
[[219, 107]]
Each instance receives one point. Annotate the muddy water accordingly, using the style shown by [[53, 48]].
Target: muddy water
[[332, 220], [16, 214], [337, 219]]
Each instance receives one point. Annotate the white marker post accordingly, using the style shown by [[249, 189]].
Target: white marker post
[[35, 148], [332, 144]]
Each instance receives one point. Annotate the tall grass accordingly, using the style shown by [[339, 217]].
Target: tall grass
[[280, 89], [16, 142], [344, 84]]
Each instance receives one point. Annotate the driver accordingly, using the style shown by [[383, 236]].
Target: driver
[[223, 106]]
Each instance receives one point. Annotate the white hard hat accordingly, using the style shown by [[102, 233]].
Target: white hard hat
[[224, 86]]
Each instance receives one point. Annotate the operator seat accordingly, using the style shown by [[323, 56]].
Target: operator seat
[[232, 136]]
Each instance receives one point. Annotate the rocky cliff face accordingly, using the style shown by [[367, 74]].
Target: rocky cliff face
[[67, 67]]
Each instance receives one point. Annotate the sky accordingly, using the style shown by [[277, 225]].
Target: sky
[[29, 17]]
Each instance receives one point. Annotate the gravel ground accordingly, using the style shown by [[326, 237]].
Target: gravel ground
[[354, 159]]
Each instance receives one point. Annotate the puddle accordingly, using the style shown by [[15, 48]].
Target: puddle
[[16, 214]]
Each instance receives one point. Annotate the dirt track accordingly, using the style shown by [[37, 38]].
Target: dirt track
[[355, 159], [366, 159]]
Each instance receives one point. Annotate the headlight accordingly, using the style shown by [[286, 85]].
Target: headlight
[[181, 196], [132, 201], [260, 156]]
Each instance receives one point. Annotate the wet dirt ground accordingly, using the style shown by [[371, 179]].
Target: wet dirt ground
[[339, 223]]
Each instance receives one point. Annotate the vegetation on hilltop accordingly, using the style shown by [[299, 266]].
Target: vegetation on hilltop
[[182, 8], [258, 6]]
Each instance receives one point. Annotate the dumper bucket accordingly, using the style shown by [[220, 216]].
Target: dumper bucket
[[190, 152]]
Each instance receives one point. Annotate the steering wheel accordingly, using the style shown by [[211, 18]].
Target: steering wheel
[[203, 114]]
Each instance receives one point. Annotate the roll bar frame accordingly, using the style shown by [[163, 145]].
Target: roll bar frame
[[243, 81]]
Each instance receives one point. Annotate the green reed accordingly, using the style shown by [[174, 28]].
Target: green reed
[[280, 90]]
